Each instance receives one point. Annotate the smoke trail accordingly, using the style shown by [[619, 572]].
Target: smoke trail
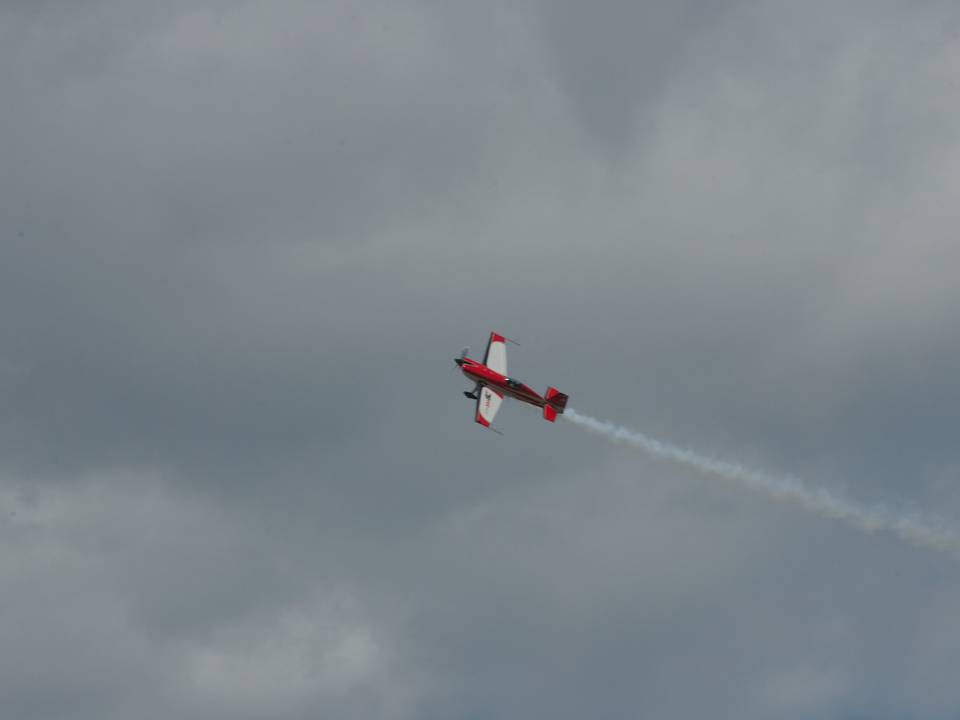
[[910, 527]]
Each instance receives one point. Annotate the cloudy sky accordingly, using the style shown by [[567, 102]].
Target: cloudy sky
[[241, 242]]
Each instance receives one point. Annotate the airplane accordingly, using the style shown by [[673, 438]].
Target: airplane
[[492, 384]]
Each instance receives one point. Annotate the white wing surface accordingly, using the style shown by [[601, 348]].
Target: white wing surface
[[496, 355], [488, 402]]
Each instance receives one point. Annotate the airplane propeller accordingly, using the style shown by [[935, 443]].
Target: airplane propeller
[[463, 355]]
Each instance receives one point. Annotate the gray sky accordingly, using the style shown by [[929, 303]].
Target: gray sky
[[241, 242]]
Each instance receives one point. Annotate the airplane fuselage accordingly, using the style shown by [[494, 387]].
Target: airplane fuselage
[[504, 385]]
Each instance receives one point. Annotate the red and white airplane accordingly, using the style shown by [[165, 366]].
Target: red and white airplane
[[492, 384]]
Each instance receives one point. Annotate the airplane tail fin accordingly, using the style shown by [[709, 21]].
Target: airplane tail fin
[[555, 405]]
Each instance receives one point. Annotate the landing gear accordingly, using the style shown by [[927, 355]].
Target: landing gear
[[472, 396]]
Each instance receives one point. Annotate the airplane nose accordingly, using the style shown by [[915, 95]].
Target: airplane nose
[[458, 361]]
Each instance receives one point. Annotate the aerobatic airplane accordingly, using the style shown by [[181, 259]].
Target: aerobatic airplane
[[492, 384]]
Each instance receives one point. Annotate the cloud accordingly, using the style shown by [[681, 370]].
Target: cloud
[[241, 245]]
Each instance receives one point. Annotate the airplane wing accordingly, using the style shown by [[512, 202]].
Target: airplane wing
[[496, 355], [488, 402]]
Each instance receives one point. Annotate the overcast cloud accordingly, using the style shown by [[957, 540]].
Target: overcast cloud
[[241, 242]]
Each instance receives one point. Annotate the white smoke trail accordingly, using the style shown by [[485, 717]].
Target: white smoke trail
[[913, 528]]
